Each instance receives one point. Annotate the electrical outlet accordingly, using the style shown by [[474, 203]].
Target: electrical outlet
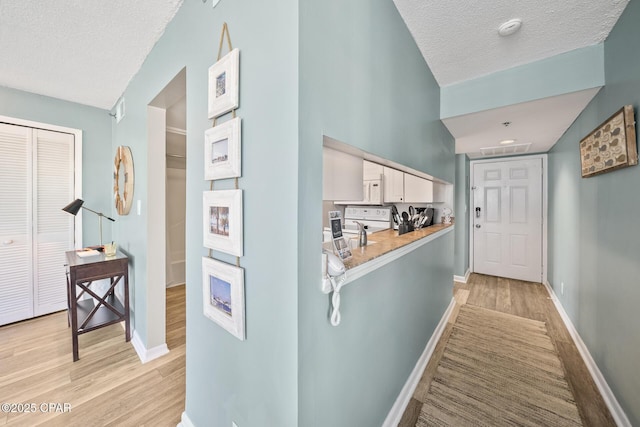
[[562, 288]]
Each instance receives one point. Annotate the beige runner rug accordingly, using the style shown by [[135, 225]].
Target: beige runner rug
[[498, 369]]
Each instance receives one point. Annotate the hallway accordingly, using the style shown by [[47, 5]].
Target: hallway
[[528, 300]]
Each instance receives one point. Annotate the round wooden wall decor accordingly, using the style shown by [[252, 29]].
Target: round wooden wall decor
[[123, 161]]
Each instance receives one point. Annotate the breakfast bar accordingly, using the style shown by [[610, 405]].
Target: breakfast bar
[[386, 246]]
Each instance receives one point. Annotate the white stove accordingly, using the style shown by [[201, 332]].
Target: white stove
[[376, 218]]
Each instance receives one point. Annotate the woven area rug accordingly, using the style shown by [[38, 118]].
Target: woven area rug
[[498, 370]]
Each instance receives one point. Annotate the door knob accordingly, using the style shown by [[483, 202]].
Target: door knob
[[7, 242], [477, 225]]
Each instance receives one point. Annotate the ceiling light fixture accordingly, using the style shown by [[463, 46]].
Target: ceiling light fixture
[[507, 141], [509, 27]]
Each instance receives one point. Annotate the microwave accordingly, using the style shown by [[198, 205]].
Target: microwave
[[371, 194]]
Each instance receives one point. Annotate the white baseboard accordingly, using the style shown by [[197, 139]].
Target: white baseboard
[[185, 421], [147, 355], [398, 408], [616, 410], [462, 279]]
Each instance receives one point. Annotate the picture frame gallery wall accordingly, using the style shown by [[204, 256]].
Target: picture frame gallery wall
[[223, 286]]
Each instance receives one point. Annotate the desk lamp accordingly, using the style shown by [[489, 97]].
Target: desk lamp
[[74, 207]]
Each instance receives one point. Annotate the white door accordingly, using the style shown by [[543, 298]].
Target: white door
[[52, 227], [507, 219], [16, 279], [36, 181]]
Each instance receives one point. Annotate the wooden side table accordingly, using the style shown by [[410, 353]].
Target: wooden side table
[[87, 315]]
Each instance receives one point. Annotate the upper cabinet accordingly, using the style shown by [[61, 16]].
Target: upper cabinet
[[348, 178], [417, 190], [393, 185], [371, 170], [341, 175], [401, 187]]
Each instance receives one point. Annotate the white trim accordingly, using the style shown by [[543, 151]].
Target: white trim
[[155, 217], [185, 421], [176, 131], [77, 166], [176, 284], [545, 196], [147, 355], [401, 403], [609, 398], [369, 266], [462, 279]]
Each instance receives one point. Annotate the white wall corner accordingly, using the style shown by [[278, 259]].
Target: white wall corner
[[462, 279], [610, 400], [185, 421], [146, 355], [401, 403]]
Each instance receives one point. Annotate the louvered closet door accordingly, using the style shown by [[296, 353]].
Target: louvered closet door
[[52, 227], [16, 272]]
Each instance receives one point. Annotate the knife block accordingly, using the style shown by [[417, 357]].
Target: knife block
[[404, 228]]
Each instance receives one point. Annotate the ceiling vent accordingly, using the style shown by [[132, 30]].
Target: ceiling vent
[[505, 150]]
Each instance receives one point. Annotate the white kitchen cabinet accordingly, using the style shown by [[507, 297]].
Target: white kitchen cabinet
[[441, 192], [371, 170], [341, 175], [393, 185], [417, 190]]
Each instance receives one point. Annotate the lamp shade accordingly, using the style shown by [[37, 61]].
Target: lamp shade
[[74, 206]]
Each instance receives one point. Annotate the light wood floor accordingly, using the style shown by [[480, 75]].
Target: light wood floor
[[108, 386], [524, 299]]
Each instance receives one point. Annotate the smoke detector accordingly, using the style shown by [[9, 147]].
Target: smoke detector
[[509, 27]]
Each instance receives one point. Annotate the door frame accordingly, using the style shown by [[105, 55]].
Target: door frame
[[77, 172], [156, 291], [544, 199]]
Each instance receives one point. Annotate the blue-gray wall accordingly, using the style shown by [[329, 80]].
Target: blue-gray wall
[[95, 123], [594, 238], [565, 73], [252, 382], [461, 201], [364, 82]]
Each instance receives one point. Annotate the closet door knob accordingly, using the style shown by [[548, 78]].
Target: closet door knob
[[7, 242]]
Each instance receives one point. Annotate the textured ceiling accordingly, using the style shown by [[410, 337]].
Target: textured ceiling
[[460, 41], [85, 51]]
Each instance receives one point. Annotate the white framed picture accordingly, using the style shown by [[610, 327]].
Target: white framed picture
[[223, 295], [222, 221], [224, 84], [222, 151]]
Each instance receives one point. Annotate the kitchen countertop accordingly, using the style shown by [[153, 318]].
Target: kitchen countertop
[[387, 241]]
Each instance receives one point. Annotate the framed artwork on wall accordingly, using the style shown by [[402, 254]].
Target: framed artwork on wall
[[224, 84], [222, 221], [223, 295], [610, 146], [222, 150], [123, 178]]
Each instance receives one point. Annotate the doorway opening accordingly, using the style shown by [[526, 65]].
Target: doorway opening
[[166, 159]]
